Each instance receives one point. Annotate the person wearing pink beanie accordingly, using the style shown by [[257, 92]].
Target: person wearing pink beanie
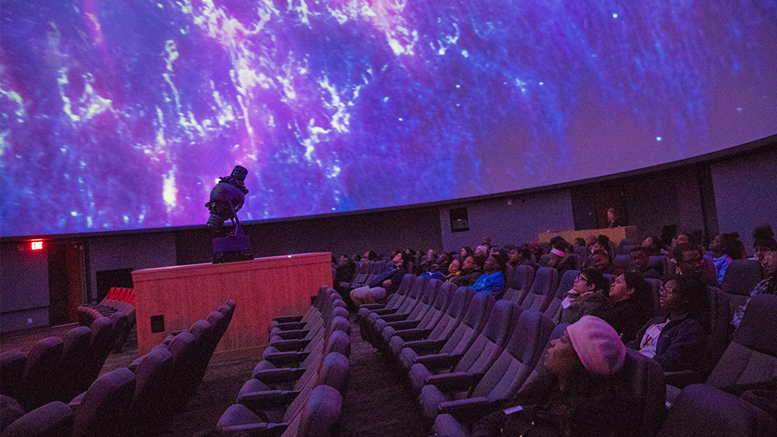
[[579, 390]]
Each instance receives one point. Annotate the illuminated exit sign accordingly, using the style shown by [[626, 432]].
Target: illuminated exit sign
[[36, 245]]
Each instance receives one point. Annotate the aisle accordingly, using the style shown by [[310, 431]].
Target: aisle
[[377, 403]]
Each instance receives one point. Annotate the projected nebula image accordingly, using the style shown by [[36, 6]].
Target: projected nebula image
[[120, 115]]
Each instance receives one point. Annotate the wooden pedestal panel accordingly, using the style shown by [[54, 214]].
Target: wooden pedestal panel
[[262, 288]]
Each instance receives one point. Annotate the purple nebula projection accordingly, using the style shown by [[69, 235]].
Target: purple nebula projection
[[122, 115]]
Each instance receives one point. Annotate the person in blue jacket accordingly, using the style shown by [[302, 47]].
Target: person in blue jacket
[[493, 280]]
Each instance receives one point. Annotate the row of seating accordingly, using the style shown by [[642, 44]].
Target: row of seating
[[59, 368], [298, 387], [134, 401], [453, 346], [365, 273], [117, 300]]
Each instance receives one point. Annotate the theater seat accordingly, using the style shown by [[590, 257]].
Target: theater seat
[[148, 410], [542, 290], [411, 319], [12, 363], [564, 285], [741, 277], [468, 397], [442, 330], [435, 312], [74, 354], [460, 339], [105, 406], [54, 419], [702, 410], [475, 359], [40, 374]]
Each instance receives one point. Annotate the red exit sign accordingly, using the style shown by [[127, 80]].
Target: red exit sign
[[36, 245]]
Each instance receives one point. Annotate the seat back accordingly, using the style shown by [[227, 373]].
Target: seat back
[[491, 340], [321, 415], [524, 348], [428, 297], [655, 288], [522, 278], [582, 252], [475, 318], [453, 315], [414, 295], [439, 305], [622, 262], [54, 419], [625, 249], [148, 410], [106, 405], [544, 260], [752, 355], [364, 271], [12, 363], [645, 380], [100, 345], [702, 410], [741, 277], [660, 263], [183, 349], [720, 326], [74, 354], [542, 290], [41, 373], [564, 285]]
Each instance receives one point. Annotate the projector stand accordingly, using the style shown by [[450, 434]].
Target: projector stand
[[234, 247]]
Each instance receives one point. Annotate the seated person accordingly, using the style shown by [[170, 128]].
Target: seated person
[[677, 340], [640, 264], [439, 269], [690, 262], [517, 256], [603, 243], [480, 255], [493, 280], [763, 240], [585, 297], [384, 284], [579, 242], [601, 262], [767, 286], [580, 390], [613, 221], [722, 251], [561, 261], [428, 260], [629, 305], [345, 270], [654, 246], [470, 272], [454, 270]]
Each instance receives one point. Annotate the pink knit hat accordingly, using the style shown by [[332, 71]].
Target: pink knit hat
[[597, 344]]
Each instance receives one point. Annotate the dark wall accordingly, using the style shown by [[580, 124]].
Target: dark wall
[[24, 287], [746, 193], [509, 220], [381, 231]]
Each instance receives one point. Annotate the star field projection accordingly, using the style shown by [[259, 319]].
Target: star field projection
[[122, 115]]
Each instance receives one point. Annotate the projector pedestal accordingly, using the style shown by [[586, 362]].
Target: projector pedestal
[[232, 248]]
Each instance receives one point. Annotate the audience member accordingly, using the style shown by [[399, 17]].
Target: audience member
[[493, 280], [640, 264], [763, 239], [603, 244], [767, 286], [585, 297], [579, 242], [690, 263], [383, 285], [601, 262], [561, 261], [371, 255], [454, 270], [723, 249], [486, 241], [345, 269], [629, 305], [465, 252], [558, 242], [470, 272], [480, 255], [518, 256], [613, 221], [654, 246], [580, 390], [677, 340]]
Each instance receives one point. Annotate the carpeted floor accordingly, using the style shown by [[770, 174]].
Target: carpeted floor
[[377, 403]]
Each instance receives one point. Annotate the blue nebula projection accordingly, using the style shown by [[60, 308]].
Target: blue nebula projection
[[120, 115]]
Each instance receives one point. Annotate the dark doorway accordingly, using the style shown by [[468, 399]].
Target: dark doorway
[[67, 284], [106, 279]]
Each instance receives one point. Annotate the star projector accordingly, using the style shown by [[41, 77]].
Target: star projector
[[226, 199]]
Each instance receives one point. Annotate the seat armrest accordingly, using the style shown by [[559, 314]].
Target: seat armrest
[[393, 317], [279, 359], [275, 376], [267, 400], [683, 378], [76, 402], [405, 324], [468, 410], [385, 311], [413, 334], [425, 346], [261, 429], [292, 334], [287, 319], [438, 361], [290, 326], [372, 306], [174, 333], [290, 345], [456, 381]]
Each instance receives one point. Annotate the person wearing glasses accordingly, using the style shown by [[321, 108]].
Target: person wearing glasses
[[585, 297], [677, 339]]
